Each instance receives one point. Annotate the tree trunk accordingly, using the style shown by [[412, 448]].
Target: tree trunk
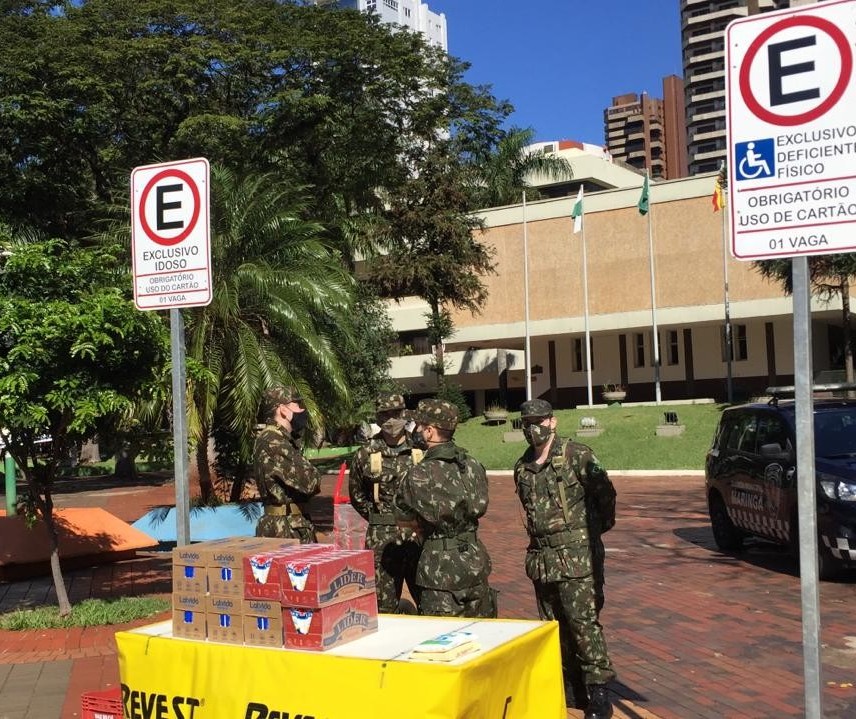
[[45, 506], [203, 468], [126, 464], [848, 347]]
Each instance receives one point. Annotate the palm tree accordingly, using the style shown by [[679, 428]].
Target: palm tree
[[501, 176], [277, 289]]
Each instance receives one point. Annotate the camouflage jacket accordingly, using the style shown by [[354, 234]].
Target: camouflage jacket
[[282, 473], [553, 498], [446, 494], [372, 488], [600, 492]]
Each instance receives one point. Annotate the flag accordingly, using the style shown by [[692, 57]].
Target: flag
[[719, 187], [577, 212], [643, 198]]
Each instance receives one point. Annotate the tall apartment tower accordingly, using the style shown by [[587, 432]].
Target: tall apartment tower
[[412, 14], [649, 133], [703, 41]]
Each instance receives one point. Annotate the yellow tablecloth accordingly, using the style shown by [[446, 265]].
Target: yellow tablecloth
[[516, 674]]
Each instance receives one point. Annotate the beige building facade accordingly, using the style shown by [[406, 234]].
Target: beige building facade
[[486, 354]]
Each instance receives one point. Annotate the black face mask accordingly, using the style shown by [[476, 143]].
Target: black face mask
[[299, 420], [418, 439]]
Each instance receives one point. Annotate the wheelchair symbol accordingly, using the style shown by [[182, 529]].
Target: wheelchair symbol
[[756, 159]]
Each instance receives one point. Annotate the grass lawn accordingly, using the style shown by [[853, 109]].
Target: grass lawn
[[629, 440], [88, 613]]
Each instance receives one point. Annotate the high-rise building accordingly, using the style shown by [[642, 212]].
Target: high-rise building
[[649, 133], [703, 25], [412, 14]]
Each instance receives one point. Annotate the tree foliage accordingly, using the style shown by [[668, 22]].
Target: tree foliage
[[73, 350], [830, 276]]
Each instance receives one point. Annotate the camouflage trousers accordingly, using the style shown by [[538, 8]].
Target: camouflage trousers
[[571, 603], [287, 526], [395, 564], [477, 601]]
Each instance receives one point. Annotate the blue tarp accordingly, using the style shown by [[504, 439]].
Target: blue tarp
[[227, 520]]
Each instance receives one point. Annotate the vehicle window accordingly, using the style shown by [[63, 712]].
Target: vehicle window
[[772, 430], [835, 432], [742, 436]]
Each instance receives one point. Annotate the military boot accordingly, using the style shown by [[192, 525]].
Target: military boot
[[599, 706]]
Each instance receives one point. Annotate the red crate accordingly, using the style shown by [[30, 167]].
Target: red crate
[[105, 704]]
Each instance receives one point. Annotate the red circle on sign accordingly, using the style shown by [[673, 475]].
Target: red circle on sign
[[154, 236], [840, 41]]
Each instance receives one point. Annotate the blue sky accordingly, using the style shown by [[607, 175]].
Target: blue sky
[[560, 62]]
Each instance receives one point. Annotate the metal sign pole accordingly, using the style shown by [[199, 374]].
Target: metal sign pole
[[806, 489], [179, 427]]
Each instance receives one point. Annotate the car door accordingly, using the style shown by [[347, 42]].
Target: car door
[[776, 476], [739, 472]]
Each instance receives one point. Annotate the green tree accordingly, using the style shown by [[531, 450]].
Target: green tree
[[830, 276], [437, 256], [73, 350], [278, 288], [502, 174]]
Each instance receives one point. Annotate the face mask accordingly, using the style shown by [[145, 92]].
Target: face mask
[[299, 421], [419, 441], [393, 429], [409, 426], [537, 434]]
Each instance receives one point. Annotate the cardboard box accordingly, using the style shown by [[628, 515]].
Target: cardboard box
[[326, 627], [188, 615], [224, 562], [188, 570], [264, 571], [223, 619], [319, 580], [262, 621]]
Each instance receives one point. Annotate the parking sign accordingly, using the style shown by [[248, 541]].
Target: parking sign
[[791, 115], [170, 235]]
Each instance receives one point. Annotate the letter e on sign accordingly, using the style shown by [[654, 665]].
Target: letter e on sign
[[170, 234]]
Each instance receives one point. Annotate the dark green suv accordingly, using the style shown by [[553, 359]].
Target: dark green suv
[[751, 485]]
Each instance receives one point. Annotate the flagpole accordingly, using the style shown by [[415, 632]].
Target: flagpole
[[586, 305], [728, 339], [657, 395], [528, 350]]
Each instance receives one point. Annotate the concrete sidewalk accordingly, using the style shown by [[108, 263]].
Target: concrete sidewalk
[[692, 632]]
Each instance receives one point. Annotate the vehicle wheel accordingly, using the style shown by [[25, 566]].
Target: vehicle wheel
[[727, 537]]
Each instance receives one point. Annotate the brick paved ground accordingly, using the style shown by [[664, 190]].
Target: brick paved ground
[[692, 632]]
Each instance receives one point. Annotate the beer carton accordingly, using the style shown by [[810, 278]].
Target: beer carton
[[262, 622], [326, 627], [321, 579], [188, 615], [265, 571]]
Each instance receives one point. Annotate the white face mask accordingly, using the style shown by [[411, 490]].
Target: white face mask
[[409, 426], [393, 429]]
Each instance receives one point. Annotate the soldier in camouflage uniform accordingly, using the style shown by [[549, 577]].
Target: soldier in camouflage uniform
[[600, 509], [376, 472], [440, 500], [286, 480], [559, 558]]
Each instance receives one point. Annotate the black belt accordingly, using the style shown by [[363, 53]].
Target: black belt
[[454, 542], [560, 539], [383, 518]]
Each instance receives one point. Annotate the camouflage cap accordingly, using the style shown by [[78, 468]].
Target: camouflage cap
[[388, 402], [438, 413], [277, 395], [535, 408]]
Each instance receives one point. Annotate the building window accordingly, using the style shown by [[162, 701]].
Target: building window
[[638, 349], [579, 360], [672, 347], [407, 12], [739, 343]]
